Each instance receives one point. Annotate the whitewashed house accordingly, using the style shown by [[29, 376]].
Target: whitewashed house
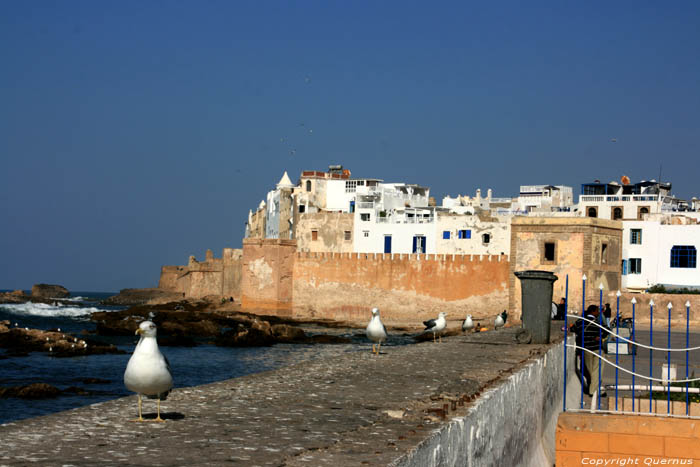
[[394, 218], [624, 201], [662, 250]]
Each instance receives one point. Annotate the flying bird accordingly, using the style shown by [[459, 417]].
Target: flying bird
[[148, 371], [500, 320], [376, 332], [436, 326], [468, 324]]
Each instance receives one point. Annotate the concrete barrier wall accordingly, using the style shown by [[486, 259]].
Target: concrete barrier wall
[[512, 424]]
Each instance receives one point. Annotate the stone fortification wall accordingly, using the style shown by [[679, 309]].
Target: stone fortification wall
[[169, 278], [406, 288], [213, 276], [231, 280], [266, 275]]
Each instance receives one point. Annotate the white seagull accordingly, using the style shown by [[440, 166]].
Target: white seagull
[[500, 320], [436, 326], [148, 371], [468, 324], [376, 332]]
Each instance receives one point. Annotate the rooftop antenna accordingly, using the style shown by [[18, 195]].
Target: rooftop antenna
[[659, 179]]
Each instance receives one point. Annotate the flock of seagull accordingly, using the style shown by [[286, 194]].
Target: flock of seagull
[[148, 371], [376, 331]]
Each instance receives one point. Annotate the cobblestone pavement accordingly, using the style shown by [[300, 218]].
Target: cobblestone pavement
[[356, 409]]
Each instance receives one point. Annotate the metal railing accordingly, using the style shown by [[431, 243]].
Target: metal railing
[[630, 339]]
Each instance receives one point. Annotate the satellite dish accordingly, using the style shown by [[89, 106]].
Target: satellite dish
[[625, 180]]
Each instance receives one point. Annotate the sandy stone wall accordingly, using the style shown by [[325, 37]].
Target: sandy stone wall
[[266, 275], [169, 276], [231, 280], [213, 276], [330, 228], [407, 288], [579, 250], [661, 301]]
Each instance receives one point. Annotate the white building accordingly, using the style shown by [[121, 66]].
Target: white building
[[330, 191], [472, 234], [544, 198], [624, 201], [394, 218], [660, 251]]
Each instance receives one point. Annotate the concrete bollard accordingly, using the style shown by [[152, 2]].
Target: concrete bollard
[[536, 289]]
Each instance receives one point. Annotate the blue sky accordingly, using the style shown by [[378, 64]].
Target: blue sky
[[137, 133]]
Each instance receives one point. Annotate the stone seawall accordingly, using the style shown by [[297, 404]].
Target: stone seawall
[[512, 424], [403, 407]]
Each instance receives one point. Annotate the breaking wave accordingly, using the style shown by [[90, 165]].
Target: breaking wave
[[42, 309]]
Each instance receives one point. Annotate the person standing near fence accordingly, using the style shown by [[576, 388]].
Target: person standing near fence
[[588, 336]]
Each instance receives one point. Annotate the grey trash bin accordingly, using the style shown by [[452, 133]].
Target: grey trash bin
[[536, 289]]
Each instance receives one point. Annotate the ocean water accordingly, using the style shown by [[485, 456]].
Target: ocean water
[[191, 366]]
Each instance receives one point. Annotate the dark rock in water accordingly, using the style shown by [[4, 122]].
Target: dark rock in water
[[20, 341], [177, 340], [32, 391], [244, 337], [17, 296], [130, 297], [287, 334], [49, 291], [93, 380], [41, 391], [76, 391]]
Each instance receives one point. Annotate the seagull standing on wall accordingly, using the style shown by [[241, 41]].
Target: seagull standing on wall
[[148, 371], [500, 320], [376, 332], [436, 326], [468, 324]]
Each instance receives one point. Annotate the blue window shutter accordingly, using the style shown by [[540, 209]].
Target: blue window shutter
[[624, 267], [469, 234], [414, 244], [446, 235]]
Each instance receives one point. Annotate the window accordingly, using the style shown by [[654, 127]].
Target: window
[[616, 213], [308, 185], [419, 244], [350, 186], [683, 256], [592, 212], [465, 233], [642, 211], [635, 266], [365, 233], [364, 216], [446, 235], [486, 238], [302, 208], [550, 252], [603, 253], [636, 236], [314, 235], [348, 235]]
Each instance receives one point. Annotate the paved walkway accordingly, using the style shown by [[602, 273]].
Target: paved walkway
[[357, 409]]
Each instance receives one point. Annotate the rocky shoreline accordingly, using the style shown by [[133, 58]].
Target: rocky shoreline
[[18, 342]]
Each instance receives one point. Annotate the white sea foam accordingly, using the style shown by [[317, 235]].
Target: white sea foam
[[42, 309]]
